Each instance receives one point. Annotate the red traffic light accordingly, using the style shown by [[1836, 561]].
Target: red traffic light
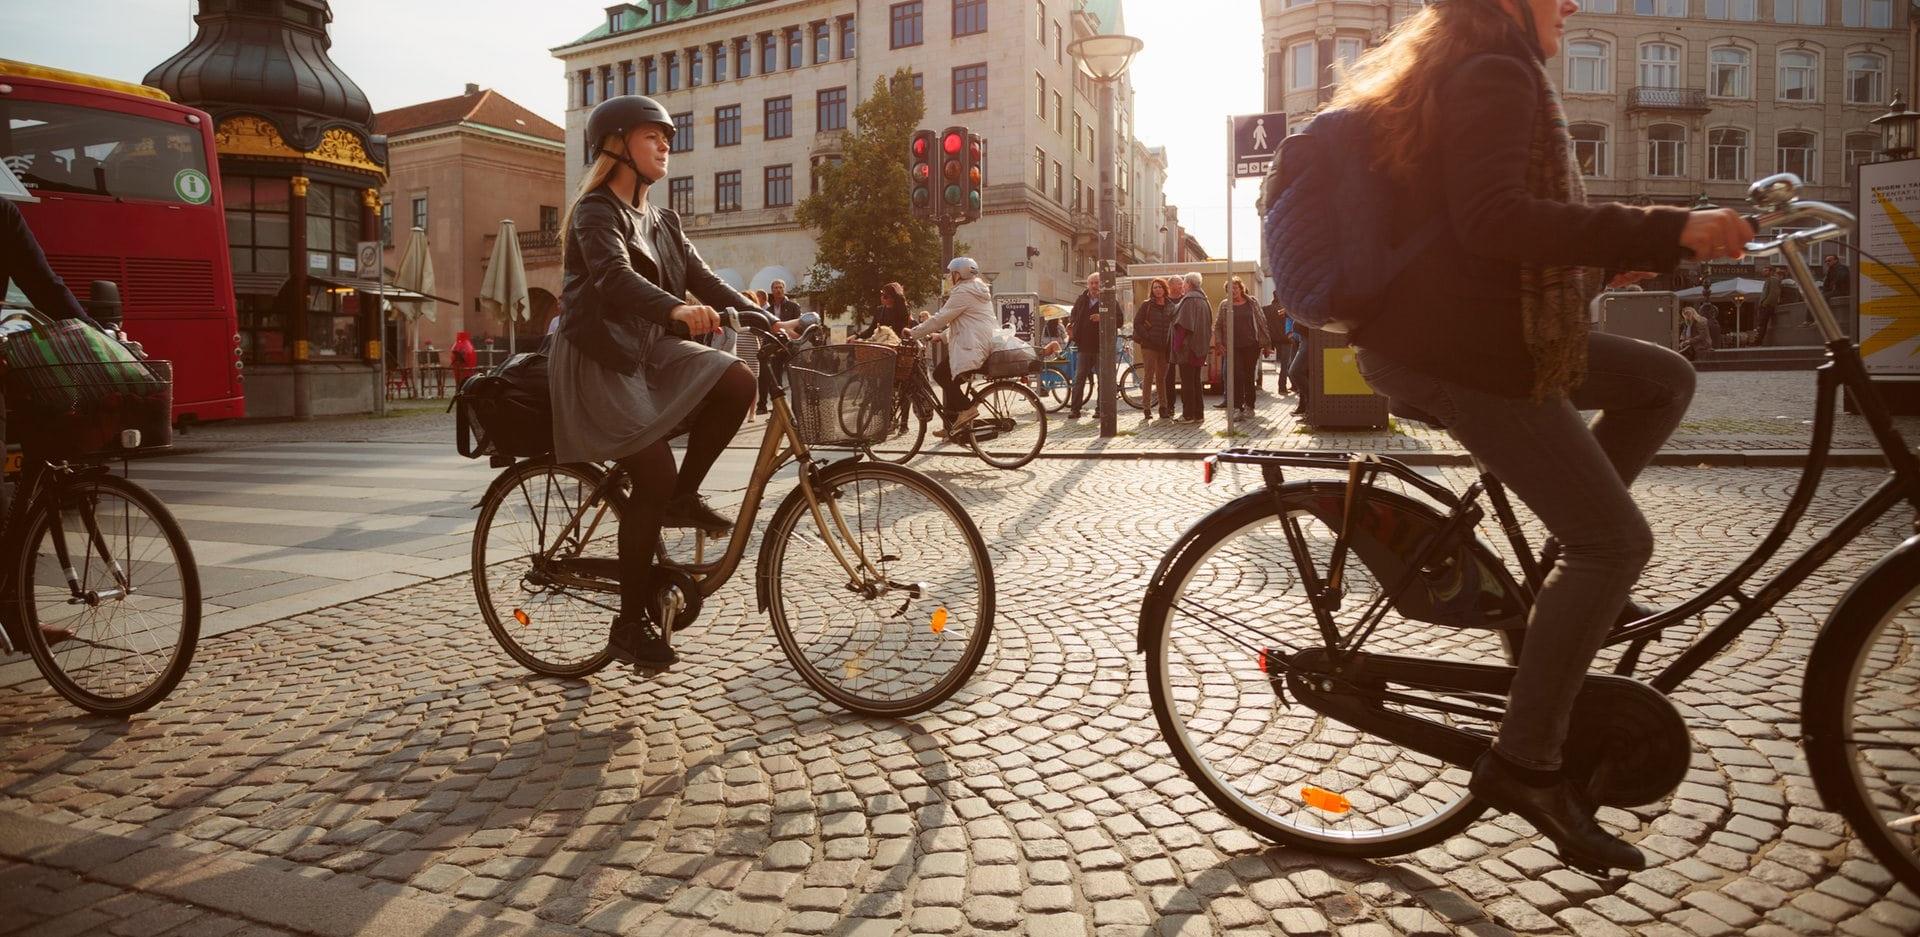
[[973, 150], [920, 147], [920, 172], [951, 144]]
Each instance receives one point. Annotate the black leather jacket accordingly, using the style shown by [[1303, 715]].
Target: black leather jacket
[[620, 290]]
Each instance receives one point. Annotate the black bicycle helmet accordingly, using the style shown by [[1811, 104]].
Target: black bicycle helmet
[[618, 115]]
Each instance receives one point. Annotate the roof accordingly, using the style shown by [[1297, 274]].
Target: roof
[[485, 107], [1107, 12], [48, 73], [628, 17]]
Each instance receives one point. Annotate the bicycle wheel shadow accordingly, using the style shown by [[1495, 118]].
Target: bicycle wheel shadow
[[1297, 891]]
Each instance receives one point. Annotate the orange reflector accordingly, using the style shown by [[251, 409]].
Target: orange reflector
[[1325, 800], [1263, 660], [856, 665], [939, 620], [520, 616], [1206, 469]]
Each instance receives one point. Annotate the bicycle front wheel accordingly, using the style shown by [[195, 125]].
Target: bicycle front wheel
[[1220, 625], [520, 543], [1054, 389], [1130, 388], [1011, 426], [1857, 710], [911, 627], [109, 595], [909, 431]]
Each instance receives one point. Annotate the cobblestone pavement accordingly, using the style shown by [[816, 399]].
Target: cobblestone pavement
[[381, 766], [1732, 411]]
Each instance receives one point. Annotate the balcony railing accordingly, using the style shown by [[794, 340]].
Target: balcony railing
[[546, 239], [1668, 99]]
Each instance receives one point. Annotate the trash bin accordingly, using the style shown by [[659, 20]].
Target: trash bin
[[1651, 316], [1337, 396]]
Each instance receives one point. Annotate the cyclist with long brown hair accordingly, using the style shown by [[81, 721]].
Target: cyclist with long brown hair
[[1486, 330], [627, 371]]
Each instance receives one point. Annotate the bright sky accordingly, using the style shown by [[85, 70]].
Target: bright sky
[[1202, 61]]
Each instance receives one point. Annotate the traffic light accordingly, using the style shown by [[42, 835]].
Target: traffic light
[[974, 180], [953, 173], [921, 159]]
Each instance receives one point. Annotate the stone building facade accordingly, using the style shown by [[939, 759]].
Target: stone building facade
[[1668, 100], [750, 137], [457, 166]]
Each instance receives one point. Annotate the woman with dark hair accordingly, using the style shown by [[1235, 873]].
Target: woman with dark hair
[[1486, 330], [1150, 327], [628, 369], [892, 312]]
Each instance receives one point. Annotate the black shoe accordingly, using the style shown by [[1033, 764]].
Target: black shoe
[[693, 511], [760, 410], [639, 643], [1073, 414], [1558, 810]]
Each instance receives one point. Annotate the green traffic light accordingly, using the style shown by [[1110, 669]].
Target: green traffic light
[[953, 194]]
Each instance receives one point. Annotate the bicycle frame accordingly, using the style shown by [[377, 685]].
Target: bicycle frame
[[38, 485]]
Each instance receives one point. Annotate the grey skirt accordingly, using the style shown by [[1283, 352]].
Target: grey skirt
[[600, 414]]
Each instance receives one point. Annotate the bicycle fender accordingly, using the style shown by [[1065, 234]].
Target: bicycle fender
[[1889, 577]]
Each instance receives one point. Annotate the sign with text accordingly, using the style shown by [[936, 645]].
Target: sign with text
[[1255, 137], [1889, 200]]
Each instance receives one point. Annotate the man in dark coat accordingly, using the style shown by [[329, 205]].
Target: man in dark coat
[[1083, 328]]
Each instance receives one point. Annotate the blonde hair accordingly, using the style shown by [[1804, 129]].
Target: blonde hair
[[597, 175], [1397, 83]]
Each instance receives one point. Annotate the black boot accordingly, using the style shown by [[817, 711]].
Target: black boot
[[693, 511], [639, 642], [1557, 809]]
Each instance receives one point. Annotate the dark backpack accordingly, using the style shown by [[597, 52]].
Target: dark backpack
[[1327, 224], [505, 411]]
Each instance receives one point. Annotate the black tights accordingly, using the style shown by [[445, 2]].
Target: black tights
[[655, 481]]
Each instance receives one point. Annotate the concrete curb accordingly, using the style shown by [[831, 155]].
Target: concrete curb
[[1692, 458]]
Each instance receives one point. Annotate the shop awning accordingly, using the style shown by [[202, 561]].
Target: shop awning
[[269, 284]]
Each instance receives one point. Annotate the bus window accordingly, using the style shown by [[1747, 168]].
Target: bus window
[[62, 148]]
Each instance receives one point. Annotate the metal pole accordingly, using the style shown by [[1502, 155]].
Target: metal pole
[[1109, 257], [946, 244], [1229, 361]]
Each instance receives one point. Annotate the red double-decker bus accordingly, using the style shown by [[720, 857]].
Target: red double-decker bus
[[127, 190]]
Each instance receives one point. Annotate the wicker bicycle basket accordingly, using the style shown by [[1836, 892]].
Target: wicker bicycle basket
[[70, 410], [842, 395]]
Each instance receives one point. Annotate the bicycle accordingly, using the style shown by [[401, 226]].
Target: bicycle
[[1356, 734], [101, 587], [1008, 432], [837, 591]]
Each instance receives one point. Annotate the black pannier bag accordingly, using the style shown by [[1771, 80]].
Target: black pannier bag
[[505, 411]]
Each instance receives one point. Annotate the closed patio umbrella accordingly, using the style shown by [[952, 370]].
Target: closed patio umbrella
[[504, 290], [416, 274]]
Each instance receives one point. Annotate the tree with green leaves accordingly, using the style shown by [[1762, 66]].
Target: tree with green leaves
[[860, 212]]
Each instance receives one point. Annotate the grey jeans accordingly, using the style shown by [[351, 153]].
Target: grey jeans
[[1575, 477]]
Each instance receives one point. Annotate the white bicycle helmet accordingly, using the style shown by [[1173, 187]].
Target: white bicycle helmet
[[963, 266]]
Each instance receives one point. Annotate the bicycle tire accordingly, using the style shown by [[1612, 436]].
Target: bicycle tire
[[1170, 585], [85, 636], [1130, 388], [1001, 419], [783, 604], [1830, 699], [575, 643], [910, 426], [1055, 389]]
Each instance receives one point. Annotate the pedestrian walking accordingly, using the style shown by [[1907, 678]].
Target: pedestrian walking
[[1280, 337], [1187, 348], [1150, 327], [462, 358], [1769, 304], [1697, 334], [1083, 329], [1249, 337], [1462, 92]]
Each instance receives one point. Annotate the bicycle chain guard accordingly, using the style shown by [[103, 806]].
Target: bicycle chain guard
[[1627, 743], [690, 597]]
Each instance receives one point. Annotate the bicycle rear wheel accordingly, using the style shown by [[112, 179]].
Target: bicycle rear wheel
[[117, 638], [1218, 627], [1857, 710], [1054, 389], [910, 417], [891, 646], [548, 627], [1011, 426], [1130, 388]]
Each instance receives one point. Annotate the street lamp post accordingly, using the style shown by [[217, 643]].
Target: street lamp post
[[1105, 58], [1898, 125]]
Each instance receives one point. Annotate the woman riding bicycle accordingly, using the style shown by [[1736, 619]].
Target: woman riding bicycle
[[968, 317], [1487, 331], [625, 372]]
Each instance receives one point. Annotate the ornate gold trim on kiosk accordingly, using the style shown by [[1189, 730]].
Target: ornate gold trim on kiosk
[[246, 135]]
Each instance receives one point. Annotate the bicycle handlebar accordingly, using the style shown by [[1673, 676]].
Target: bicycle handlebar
[[1778, 198]]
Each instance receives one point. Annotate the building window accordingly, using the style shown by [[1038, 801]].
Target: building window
[[726, 125], [726, 191], [1297, 3], [849, 40], [970, 18], [1659, 65], [386, 222], [1660, 7], [680, 195], [1346, 51], [1666, 150], [817, 168], [1727, 155], [1040, 169], [682, 133], [670, 67], [719, 53], [822, 42], [796, 47], [1059, 47], [1587, 67], [1866, 78], [908, 21], [1799, 75], [779, 186], [742, 57], [626, 77], [769, 53], [1601, 6], [549, 217], [650, 76], [586, 87], [1798, 152], [1300, 70], [1059, 195], [333, 228], [1079, 133], [1728, 78], [1059, 114], [420, 211], [258, 226], [1861, 148], [1873, 14], [606, 82], [659, 15], [830, 109], [1589, 148], [1743, 10], [1077, 203], [970, 88], [779, 121], [1040, 23], [1804, 12], [1065, 257], [1040, 96]]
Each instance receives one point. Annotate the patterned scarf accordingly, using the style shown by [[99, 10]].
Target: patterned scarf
[[1553, 299]]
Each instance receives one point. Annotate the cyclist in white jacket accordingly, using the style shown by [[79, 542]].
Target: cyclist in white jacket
[[969, 320]]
